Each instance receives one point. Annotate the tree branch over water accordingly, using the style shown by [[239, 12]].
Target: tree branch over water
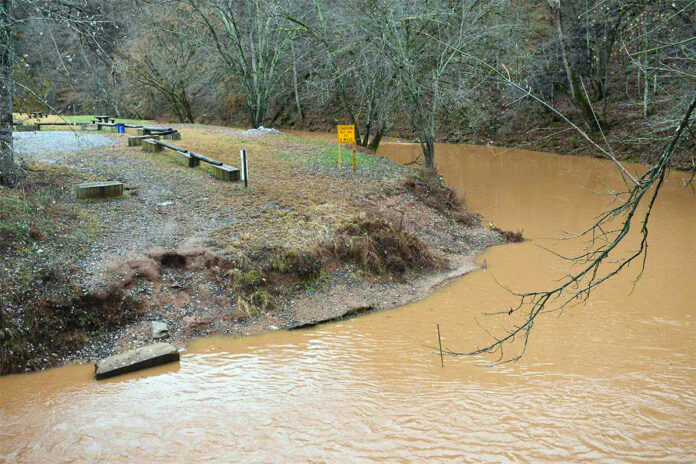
[[576, 287]]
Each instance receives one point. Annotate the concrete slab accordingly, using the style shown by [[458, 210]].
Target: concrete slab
[[134, 360], [90, 190]]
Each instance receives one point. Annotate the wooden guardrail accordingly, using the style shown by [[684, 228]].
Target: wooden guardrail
[[219, 170]]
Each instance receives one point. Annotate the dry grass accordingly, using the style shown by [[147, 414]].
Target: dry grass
[[510, 236], [290, 202], [428, 186], [379, 247]]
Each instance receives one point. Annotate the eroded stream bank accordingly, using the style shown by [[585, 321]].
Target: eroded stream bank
[[304, 242], [610, 381]]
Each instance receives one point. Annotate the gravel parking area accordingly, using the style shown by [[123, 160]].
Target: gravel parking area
[[38, 143]]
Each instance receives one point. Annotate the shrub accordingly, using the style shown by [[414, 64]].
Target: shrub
[[380, 247]]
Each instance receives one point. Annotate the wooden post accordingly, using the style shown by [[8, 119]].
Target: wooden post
[[340, 159], [355, 157]]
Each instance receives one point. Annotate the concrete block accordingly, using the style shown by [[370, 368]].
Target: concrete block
[[150, 145], [134, 360], [225, 172], [90, 190], [186, 158], [143, 131], [137, 140], [174, 136], [90, 127]]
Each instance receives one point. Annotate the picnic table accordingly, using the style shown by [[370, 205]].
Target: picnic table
[[105, 119]]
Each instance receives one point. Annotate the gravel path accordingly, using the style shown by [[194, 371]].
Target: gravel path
[[165, 204]]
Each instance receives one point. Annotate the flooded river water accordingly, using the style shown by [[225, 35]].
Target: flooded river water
[[610, 381]]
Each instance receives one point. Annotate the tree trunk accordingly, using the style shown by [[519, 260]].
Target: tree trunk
[[374, 144], [294, 82], [8, 170], [646, 76], [576, 92], [428, 147]]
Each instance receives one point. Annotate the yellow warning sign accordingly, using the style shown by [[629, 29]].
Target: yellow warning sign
[[346, 133]]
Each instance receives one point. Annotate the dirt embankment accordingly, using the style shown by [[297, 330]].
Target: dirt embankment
[[304, 243]]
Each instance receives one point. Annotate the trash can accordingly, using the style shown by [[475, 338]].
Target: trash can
[[120, 128]]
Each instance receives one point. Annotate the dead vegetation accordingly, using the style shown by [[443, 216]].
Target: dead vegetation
[[510, 236], [53, 316], [32, 212], [429, 187], [380, 247]]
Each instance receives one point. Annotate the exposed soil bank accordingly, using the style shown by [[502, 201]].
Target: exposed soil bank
[[304, 243]]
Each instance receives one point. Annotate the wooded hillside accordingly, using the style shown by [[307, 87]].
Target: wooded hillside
[[426, 70]]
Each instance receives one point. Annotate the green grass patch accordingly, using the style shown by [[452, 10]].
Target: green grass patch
[[329, 157]]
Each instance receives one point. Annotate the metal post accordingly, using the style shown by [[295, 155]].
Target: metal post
[[245, 168]]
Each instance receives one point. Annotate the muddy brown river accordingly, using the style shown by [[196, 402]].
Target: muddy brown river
[[611, 381]]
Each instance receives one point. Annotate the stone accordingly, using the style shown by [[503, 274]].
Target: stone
[[91, 190], [150, 145], [134, 360], [225, 172], [142, 131], [159, 330], [90, 127]]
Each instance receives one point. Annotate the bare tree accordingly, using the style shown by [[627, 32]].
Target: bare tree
[[423, 41], [250, 39], [354, 64], [166, 56], [8, 170]]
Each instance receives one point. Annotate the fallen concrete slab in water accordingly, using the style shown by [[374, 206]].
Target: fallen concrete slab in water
[[347, 314], [134, 360]]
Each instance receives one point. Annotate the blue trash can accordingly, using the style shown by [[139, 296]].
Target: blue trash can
[[120, 128]]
